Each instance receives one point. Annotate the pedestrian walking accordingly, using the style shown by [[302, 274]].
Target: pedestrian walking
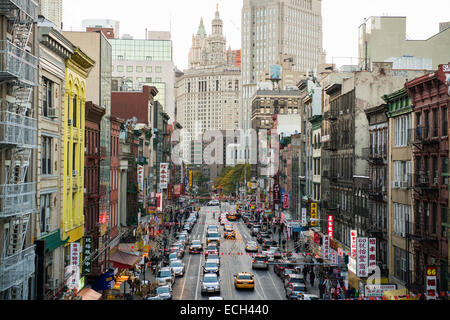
[[305, 272], [312, 276]]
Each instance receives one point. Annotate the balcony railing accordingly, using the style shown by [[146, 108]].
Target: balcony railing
[[30, 7], [17, 64], [17, 130], [17, 268], [17, 199]]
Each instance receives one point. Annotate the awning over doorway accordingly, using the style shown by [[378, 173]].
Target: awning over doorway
[[89, 294], [124, 260], [53, 240]]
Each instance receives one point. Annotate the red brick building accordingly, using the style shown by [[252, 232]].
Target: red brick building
[[115, 166], [93, 117], [128, 104], [430, 100], [107, 32]]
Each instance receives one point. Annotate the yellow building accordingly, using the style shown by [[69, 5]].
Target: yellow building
[[77, 70]]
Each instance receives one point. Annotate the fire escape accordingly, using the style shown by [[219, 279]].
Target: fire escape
[[18, 138]]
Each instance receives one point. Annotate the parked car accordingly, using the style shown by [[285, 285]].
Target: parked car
[[260, 261], [165, 276], [195, 247], [267, 243], [286, 272], [210, 283], [211, 266], [177, 266], [164, 292], [174, 256], [280, 266], [262, 236], [244, 280]]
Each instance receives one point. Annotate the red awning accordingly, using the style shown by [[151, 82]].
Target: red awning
[[89, 294], [124, 260]]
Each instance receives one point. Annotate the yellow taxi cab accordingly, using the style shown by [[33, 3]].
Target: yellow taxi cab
[[231, 217], [244, 280], [230, 235]]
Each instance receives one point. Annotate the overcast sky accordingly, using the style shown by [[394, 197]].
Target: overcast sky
[[341, 19]]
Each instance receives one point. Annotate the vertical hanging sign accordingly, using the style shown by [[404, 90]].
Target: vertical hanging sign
[[304, 217], [353, 235], [372, 254], [362, 256], [87, 252], [326, 247], [431, 282], [330, 226], [313, 214], [163, 175]]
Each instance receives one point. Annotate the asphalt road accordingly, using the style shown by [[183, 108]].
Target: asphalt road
[[233, 259]]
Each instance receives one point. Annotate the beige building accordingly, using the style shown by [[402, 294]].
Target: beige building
[[382, 38], [271, 27], [54, 50], [208, 93], [52, 10]]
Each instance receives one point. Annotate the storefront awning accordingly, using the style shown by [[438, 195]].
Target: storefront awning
[[53, 241], [89, 294], [124, 260]]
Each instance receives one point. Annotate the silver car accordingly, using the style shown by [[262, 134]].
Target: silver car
[[210, 283], [164, 292], [165, 276], [177, 266], [211, 267]]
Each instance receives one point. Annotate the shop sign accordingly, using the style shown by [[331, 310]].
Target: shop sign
[[352, 264], [159, 202], [140, 178], [87, 252], [372, 254], [314, 214], [330, 226], [362, 256], [326, 246], [377, 290], [286, 201], [304, 217], [190, 178], [334, 257], [340, 252], [431, 282], [75, 254], [353, 235], [163, 175]]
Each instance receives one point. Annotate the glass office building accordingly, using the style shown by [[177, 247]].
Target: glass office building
[[152, 50]]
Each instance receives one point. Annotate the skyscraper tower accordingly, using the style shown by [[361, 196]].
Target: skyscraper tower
[[271, 28], [52, 10]]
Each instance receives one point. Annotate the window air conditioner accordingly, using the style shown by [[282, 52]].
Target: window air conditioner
[[69, 122], [74, 173]]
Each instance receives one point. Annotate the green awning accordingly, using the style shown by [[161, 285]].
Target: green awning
[[53, 240]]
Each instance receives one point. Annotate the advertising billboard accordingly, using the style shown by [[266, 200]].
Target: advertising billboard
[[275, 72]]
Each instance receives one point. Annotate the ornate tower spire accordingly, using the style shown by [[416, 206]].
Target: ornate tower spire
[[201, 28]]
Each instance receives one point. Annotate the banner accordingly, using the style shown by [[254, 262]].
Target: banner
[[377, 290], [163, 175], [190, 178], [326, 246], [159, 202], [304, 222], [362, 256], [286, 201], [140, 180]]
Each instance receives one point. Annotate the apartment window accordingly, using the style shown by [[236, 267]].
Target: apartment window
[[158, 69], [435, 170], [46, 155], [148, 69], [401, 264], [435, 122], [402, 173], [47, 97], [158, 80], [139, 79], [402, 127], [129, 68], [139, 69], [444, 169], [444, 127], [434, 212], [74, 110], [119, 68], [45, 213], [402, 215], [148, 80]]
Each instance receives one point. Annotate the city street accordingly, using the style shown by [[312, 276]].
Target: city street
[[234, 259]]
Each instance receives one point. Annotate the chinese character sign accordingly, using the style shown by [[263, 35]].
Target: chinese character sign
[[431, 282], [372, 254], [75, 254], [163, 175], [326, 247], [313, 214], [87, 252], [158, 202], [353, 235], [286, 201], [362, 255], [330, 226], [303, 216]]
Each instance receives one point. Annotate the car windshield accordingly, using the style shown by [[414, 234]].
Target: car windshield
[[210, 265], [260, 258], [298, 288], [176, 264], [162, 290], [213, 256], [213, 235], [210, 279], [164, 274], [196, 243], [245, 277], [173, 255]]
